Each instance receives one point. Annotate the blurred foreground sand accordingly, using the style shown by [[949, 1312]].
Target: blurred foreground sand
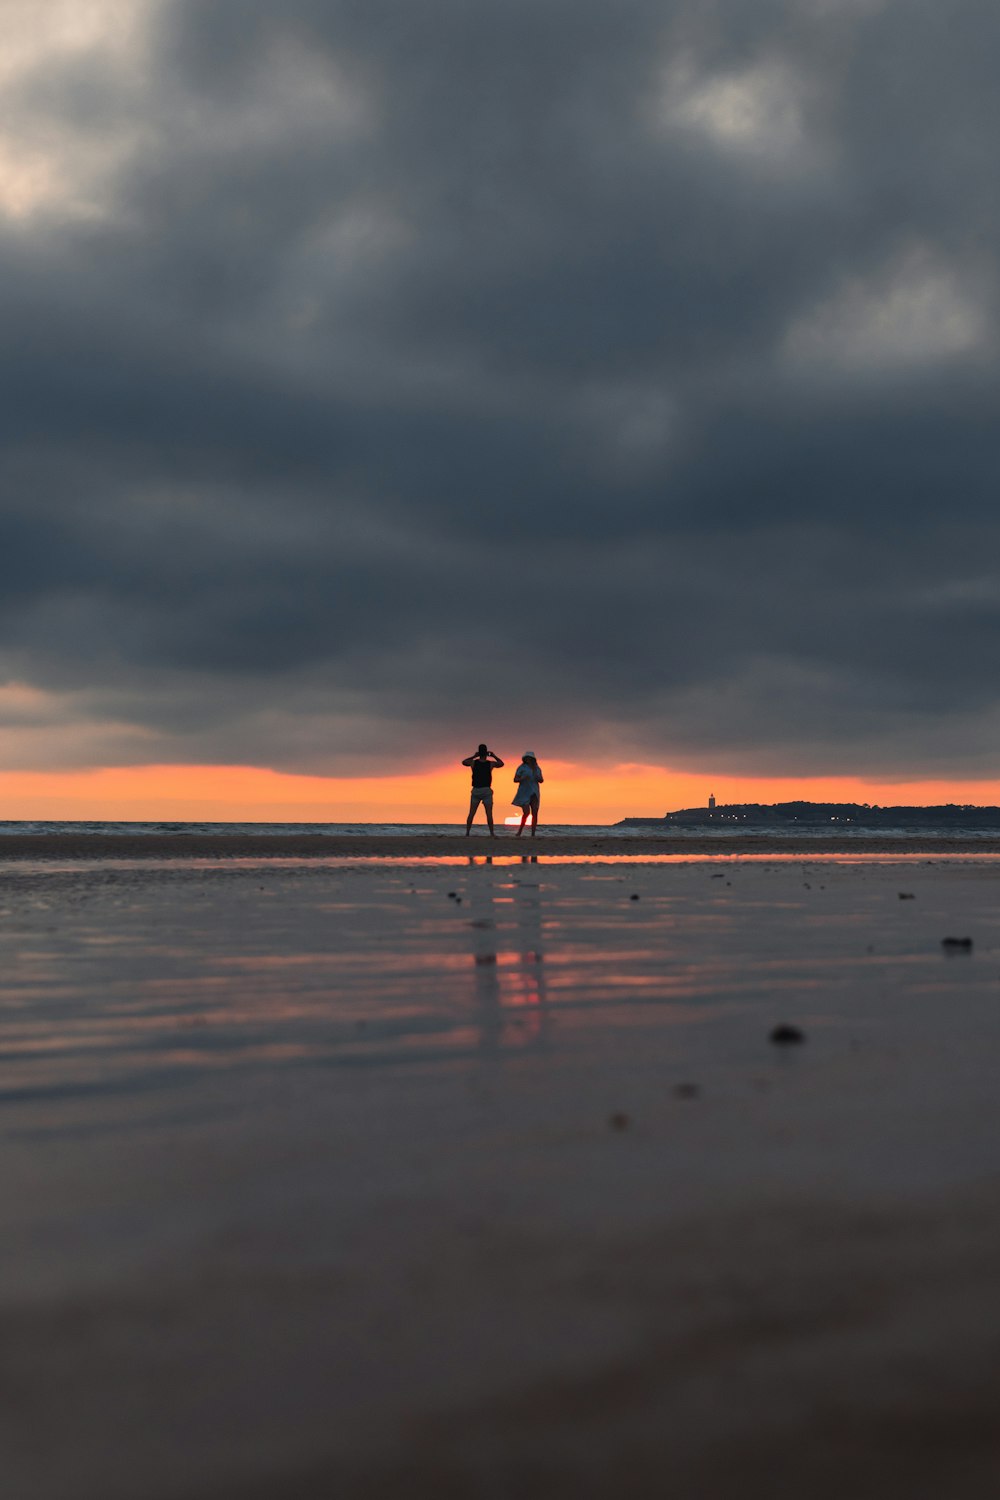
[[327, 1183]]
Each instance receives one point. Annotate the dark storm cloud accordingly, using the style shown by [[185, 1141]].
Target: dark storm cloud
[[619, 376]]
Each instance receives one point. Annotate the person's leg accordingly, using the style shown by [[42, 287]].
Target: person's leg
[[472, 814], [534, 815], [488, 804], [524, 819]]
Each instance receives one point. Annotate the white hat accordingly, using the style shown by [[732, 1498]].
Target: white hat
[[528, 755]]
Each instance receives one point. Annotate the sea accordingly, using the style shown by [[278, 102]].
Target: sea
[[375, 831]]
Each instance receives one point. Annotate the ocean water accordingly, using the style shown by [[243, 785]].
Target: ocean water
[[377, 831]]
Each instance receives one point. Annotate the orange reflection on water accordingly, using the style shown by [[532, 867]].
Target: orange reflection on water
[[510, 999], [696, 856]]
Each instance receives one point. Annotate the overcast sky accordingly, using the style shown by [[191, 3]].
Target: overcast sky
[[617, 376]]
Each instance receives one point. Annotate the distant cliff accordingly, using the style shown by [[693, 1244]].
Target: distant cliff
[[822, 814]]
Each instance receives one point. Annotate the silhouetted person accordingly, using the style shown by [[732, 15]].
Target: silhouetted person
[[483, 764], [529, 779]]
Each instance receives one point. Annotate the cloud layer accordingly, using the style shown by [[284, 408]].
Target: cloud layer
[[379, 377]]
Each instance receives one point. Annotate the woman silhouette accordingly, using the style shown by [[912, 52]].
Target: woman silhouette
[[529, 779]]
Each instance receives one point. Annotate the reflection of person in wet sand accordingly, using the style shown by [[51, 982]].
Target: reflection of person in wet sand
[[509, 966], [529, 779], [483, 764]]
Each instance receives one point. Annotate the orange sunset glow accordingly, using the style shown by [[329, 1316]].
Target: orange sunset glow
[[572, 794]]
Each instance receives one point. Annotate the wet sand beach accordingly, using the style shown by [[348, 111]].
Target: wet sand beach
[[404, 1179], [222, 845]]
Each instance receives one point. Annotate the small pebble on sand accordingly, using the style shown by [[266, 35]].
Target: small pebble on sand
[[785, 1034], [619, 1120]]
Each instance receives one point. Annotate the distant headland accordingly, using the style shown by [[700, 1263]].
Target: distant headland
[[820, 814]]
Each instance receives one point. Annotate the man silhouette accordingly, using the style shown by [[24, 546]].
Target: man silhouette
[[483, 764]]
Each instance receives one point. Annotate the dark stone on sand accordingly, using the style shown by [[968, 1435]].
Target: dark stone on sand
[[633, 898], [686, 1091], [619, 1120], [785, 1034], [906, 896], [956, 945], [452, 895]]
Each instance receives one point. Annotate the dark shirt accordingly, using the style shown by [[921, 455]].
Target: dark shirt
[[482, 772]]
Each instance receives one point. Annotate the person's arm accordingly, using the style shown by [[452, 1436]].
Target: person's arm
[[538, 774], [470, 760], [496, 759]]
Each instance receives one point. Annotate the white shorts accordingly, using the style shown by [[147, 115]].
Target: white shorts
[[483, 794]]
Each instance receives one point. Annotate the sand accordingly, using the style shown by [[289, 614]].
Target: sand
[[217, 845], [319, 1180]]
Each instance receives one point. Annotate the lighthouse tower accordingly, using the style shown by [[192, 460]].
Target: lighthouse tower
[[711, 802]]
